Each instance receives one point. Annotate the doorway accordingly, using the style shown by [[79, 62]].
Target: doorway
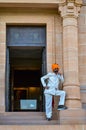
[[25, 65], [26, 88]]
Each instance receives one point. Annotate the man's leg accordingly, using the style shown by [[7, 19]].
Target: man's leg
[[62, 95], [48, 105]]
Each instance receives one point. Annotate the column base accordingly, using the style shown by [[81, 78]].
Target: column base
[[72, 116]]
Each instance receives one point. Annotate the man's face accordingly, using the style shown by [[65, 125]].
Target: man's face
[[56, 70]]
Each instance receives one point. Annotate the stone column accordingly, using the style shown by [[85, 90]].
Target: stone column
[[70, 12], [2, 65]]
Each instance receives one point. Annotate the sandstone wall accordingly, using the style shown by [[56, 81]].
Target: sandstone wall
[[82, 53], [60, 127]]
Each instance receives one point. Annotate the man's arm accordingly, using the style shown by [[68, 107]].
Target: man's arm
[[43, 81], [61, 77]]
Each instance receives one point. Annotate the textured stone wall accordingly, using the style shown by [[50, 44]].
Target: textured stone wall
[[82, 53], [2, 66], [46, 127]]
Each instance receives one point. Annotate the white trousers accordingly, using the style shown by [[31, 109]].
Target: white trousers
[[48, 101]]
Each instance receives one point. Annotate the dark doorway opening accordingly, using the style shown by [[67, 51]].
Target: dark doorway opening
[[26, 89], [26, 92], [27, 78], [25, 64]]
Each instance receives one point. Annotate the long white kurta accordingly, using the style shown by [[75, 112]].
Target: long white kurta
[[52, 81]]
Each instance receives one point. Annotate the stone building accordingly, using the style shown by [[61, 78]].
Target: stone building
[[33, 35]]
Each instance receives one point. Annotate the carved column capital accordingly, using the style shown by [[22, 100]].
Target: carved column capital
[[79, 2], [70, 8]]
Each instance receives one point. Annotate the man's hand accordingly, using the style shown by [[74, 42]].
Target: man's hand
[[59, 73], [46, 87]]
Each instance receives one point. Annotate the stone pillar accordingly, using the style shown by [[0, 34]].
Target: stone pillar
[[70, 12], [2, 65]]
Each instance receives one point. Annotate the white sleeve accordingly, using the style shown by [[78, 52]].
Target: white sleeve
[[43, 80], [61, 78]]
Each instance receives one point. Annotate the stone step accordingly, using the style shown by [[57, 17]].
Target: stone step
[[25, 118], [18, 114], [73, 116], [29, 122]]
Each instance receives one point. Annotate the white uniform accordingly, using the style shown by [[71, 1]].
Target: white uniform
[[52, 81]]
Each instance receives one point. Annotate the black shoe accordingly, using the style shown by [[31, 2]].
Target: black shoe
[[61, 107], [49, 119]]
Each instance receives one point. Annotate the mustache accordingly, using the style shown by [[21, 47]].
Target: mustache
[[56, 71]]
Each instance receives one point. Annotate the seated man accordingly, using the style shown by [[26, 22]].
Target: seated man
[[52, 88]]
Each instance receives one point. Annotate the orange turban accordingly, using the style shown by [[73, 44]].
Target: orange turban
[[55, 66]]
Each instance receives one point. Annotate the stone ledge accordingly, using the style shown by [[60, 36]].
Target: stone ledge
[[72, 116], [45, 127]]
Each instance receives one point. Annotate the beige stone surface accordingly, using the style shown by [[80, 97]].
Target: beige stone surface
[[72, 116], [29, 1], [60, 127], [63, 45], [82, 52]]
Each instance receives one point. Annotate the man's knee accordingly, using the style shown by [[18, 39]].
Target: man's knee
[[64, 93]]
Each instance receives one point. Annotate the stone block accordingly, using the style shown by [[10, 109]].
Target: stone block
[[73, 116]]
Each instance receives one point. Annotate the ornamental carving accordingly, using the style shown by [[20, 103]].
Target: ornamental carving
[[71, 1], [71, 8], [75, 1]]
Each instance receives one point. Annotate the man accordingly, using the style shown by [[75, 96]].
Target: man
[[51, 83]]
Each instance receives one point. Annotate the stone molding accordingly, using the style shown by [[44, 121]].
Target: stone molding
[[18, 3], [42, 1], [71, 84], [70, 8]]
